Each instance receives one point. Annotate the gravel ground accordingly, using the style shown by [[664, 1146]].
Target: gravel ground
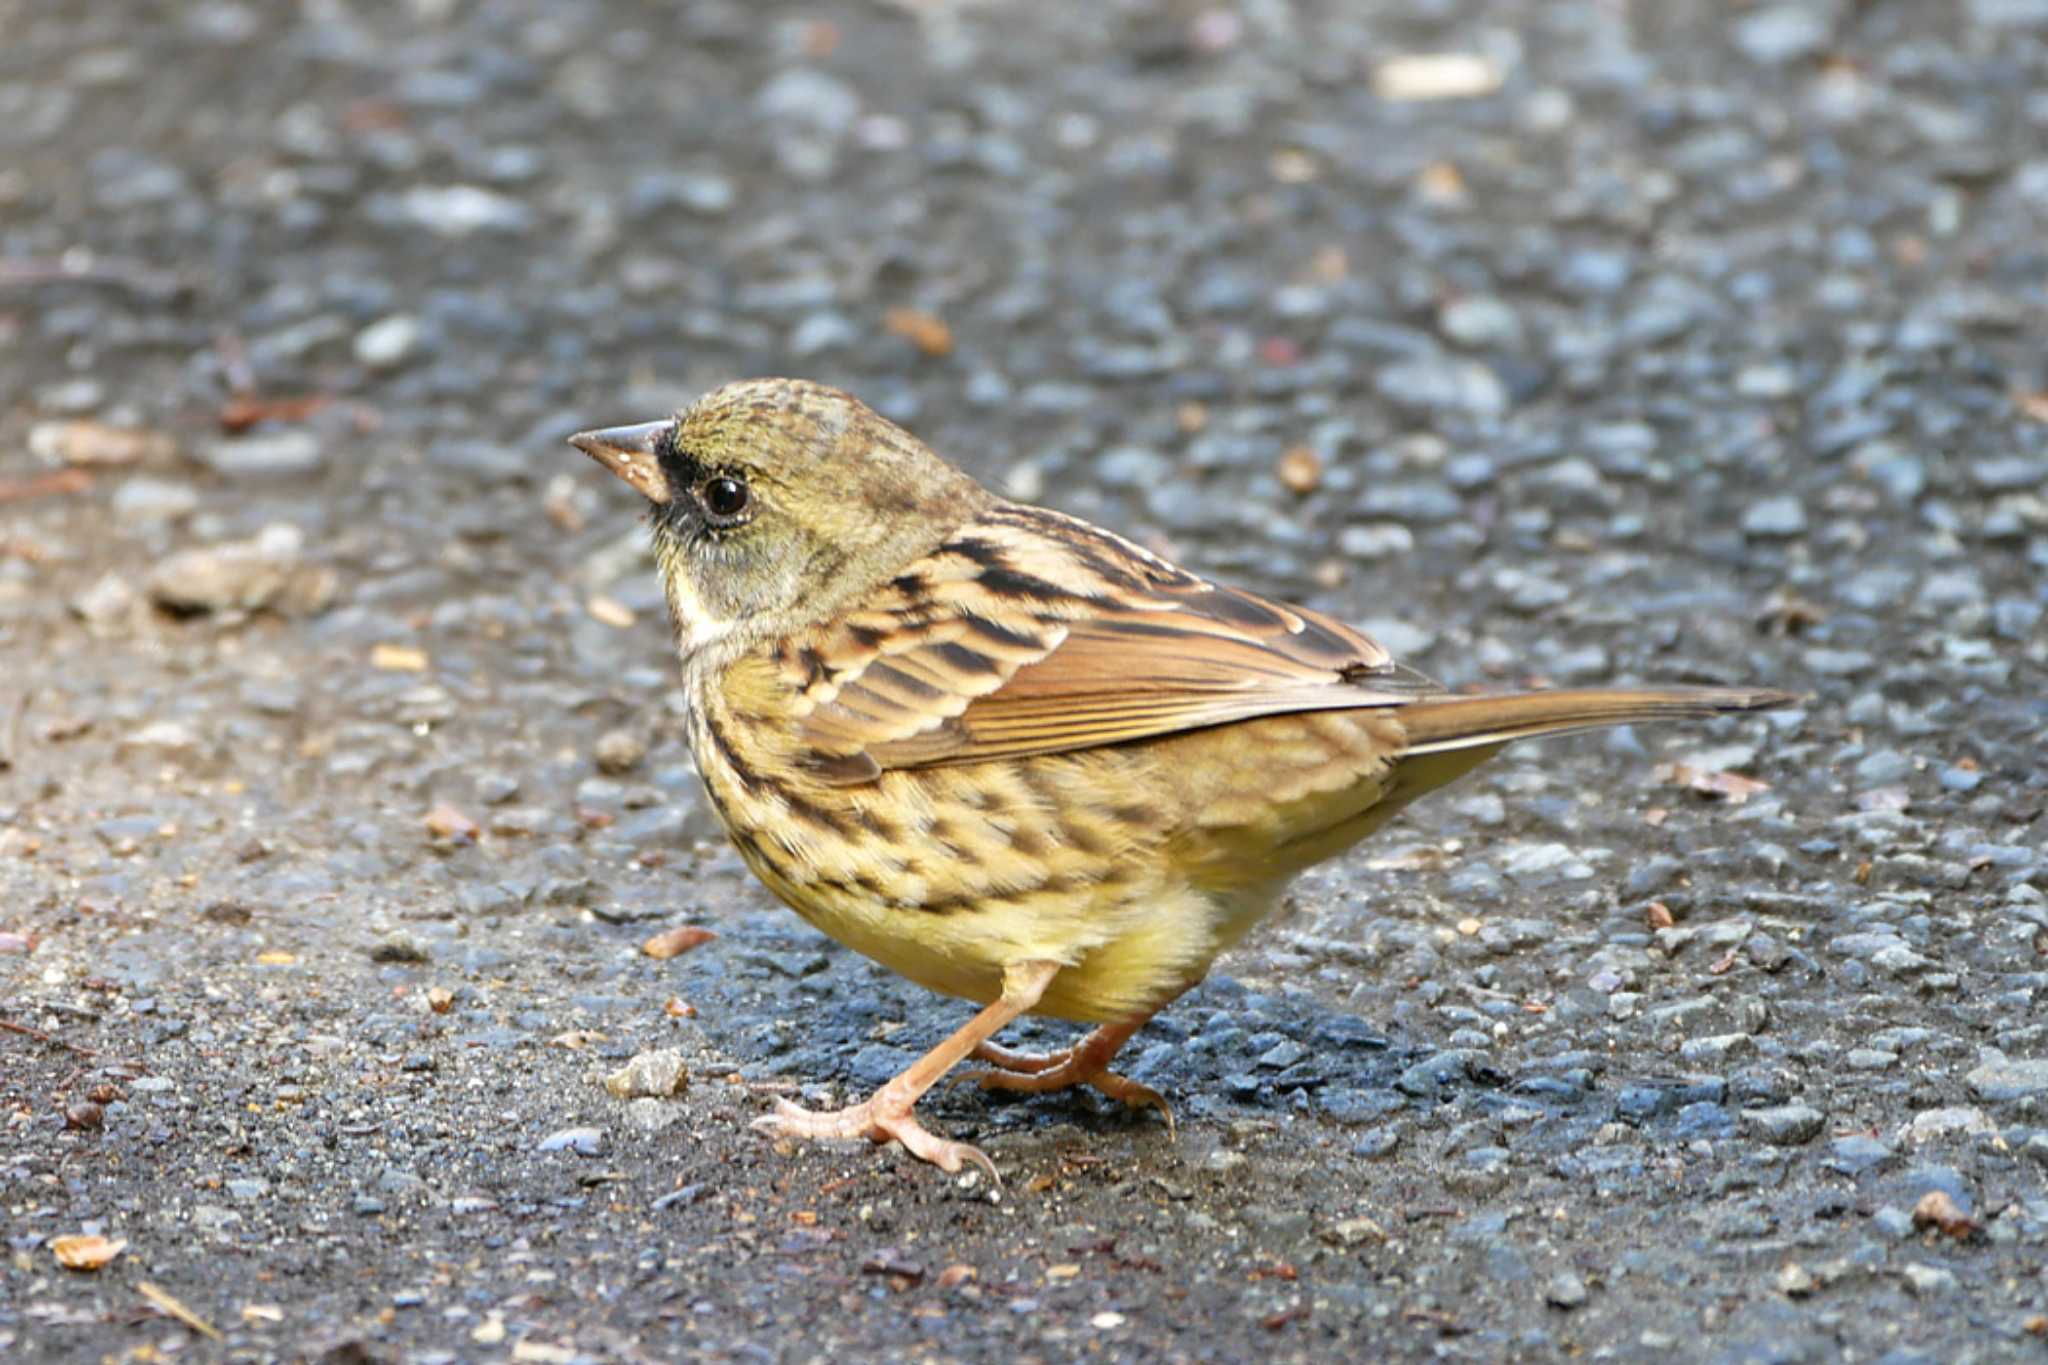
[[341, 776]]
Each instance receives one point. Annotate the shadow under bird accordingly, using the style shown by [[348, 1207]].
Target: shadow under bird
[[1008, 754]]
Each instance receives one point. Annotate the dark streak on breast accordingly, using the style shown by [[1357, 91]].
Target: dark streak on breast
[[742, 773]]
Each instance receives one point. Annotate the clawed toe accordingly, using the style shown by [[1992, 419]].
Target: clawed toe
[[1067, 1075], [1137, 1096], [947, 1155], [879, 1123], [1024, 1063]]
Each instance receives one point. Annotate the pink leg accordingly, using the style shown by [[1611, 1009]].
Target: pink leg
[[885, 1115]]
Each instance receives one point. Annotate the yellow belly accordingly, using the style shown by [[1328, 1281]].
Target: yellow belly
[[1133, 867]]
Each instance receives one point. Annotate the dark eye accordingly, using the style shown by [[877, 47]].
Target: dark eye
[[725, 497]]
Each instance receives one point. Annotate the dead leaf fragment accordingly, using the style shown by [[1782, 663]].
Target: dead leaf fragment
[[610, 611], [1937, 1210], [1787, 613], [674, 942], [87, 443], [398, 658], [50, 484], [166, 1303], [1300, 470], [1436, 76], [1442, 185], [446, 822], [245, 410], [1730, 787], [926, 331], [86, 1250]]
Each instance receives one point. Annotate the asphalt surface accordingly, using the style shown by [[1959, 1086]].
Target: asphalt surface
[[342, 781]]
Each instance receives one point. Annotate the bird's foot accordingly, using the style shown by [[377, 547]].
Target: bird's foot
[[1026, 1063], [880, 1118], [1038, 1073]]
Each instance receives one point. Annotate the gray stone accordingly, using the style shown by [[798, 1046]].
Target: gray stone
[[457, 211], [141, 501], [1432, 1075], [264, 454], [583, 1141], [1776, 517], [1998, 1078], [2009, 13], [821, 332], [646, 1115], [1566, 1290], [111, 606], [659, 1074], [244, 574], [1381, 540], [619, 751], [388, 342], [1784, 1125], [1928, 1281], [1779, 34], [1480, 320], [1442, 384]]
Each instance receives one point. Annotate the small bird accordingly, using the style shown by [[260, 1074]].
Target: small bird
[[1008, 754]]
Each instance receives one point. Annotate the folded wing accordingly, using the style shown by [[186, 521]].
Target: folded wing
[[1034, 633]]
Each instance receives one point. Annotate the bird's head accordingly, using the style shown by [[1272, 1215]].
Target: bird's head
[[773, 501]]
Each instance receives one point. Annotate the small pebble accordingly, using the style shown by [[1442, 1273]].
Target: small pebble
[[619, 751]]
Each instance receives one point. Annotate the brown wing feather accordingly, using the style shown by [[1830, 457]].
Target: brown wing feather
[[1034, 633]]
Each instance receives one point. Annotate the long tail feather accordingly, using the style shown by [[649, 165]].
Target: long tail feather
[[1442, 724]]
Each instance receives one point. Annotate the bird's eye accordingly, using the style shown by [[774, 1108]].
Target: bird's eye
[[725, 497]]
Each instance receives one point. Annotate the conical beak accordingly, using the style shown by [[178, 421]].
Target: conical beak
[[632, 454]]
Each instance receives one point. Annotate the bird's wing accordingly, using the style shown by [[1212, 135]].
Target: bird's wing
[[1034, 633]]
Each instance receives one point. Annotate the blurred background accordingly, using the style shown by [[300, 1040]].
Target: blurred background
[[1554, 340]]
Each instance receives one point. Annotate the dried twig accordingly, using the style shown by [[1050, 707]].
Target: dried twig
[[85, 267], [169, 1305], [45, 485], [42, 1037]]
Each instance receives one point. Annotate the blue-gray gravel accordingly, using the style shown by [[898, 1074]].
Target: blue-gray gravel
[[1705, 348]]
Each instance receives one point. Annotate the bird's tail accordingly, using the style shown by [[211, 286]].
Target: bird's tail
[[1443, 724]]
